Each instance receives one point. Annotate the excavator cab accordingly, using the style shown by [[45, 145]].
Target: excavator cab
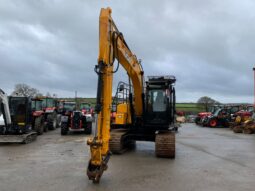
[[20, 110], [160, 101]]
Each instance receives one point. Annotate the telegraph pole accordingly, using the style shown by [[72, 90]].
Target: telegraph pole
[[254, 87], [76, 105]]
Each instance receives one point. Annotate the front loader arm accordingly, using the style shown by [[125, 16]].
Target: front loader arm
[[111, 46]]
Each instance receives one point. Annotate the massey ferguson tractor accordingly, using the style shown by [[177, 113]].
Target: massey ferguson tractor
[[223, 117], [87, 110], [51, 117], [73, 120], [202, 116], [38, 115]]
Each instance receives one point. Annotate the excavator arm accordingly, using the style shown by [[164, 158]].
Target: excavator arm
[[4, 108], [111, 46]]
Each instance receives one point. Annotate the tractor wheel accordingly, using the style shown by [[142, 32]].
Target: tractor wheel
[[45, 129], [197, 120], [88, 128], [38, 125], [64, 129], [213, 123], [226, 124], [238, 129], [58, 120], [52, 120]]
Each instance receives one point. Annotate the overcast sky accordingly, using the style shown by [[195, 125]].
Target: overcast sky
[[209, 46]]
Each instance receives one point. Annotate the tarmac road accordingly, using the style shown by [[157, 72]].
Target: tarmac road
[[206, 159]]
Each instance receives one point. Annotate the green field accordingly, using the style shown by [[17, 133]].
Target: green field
[[92, 101], [188, 108]]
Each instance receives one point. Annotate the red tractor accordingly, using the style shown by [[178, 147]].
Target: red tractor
[[199, 120], [73, 120], [87, 110], [51, 117], [38, 124], [223, 116]]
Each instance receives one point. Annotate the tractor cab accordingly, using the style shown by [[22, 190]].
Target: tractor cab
[[68, 107], [37, 105], [48, 102], [86, 108]]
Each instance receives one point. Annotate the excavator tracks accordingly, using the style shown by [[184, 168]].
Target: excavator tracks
[[165, 145], [24, 138], [118, 142]]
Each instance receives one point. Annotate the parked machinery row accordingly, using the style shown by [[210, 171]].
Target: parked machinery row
[[224, 115], [23, 118]]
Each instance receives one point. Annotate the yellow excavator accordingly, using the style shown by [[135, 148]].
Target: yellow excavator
[[147, 113]]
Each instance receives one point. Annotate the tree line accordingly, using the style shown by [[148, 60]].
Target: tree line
[[28, 91], [23, 89]]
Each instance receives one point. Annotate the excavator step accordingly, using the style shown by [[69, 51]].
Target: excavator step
[[24, 138], [165, 145]]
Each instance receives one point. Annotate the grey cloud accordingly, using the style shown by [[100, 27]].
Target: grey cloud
[[207, 45]]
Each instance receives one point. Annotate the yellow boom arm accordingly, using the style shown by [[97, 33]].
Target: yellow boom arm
[[111, 46]]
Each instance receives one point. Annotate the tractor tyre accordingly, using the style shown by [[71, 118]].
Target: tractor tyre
[[58, 120], [52, 120], [213, 123], [45, 129], [39, 125], [88, 128], [197, 120], [64, 129]]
